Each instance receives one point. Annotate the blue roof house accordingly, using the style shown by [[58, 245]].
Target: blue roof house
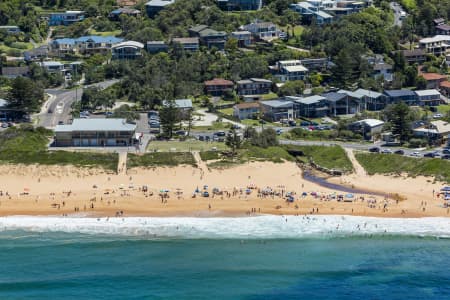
[[397, 96]]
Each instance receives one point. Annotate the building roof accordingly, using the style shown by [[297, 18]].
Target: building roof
[[370, 122], [334, 97], [441, 126], [247, 105], [277, 103], [15, 71], [242, 32], [430, 92], [186, 40], [51, 64], [298, 68], [125, 10], [96, 125], [253, 80], [445, 84], [99, 39], [433, 76], [160, 3], [323, 15], [414, 52], [399, 93], [382, 66], [443, 27], [309, 100], [198, 28], [64, 41], [9, 27], [3, 102], [181, 103], [128, 44], [434, 39], [218, 81], [367, 93], [211, 32], [161, 43]]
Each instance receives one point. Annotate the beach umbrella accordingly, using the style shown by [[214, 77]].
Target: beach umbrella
[[349, 196], [445, 189], [205, 187]]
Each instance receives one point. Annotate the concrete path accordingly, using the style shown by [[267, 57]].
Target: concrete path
[[357, 168], [200, 163], [122, 164]]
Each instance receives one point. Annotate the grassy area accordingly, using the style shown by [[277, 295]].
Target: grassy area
[[269, 96], [408, 4], [298, 29], [209, 155], [106, 33], [396, 164], [157, 159], [273, 154], [214, 126], [29, 146], [184, 146], [443, 109], [227, 111], [333, 157]]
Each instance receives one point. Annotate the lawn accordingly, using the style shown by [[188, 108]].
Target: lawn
[[269, 96], [397, 164], [443, 109], [184, 146], [159, 159], [29, 146], [408, 4], [105, 33], [214, 126], [227, 111], [209, 155], [330, 157], [274, 154]]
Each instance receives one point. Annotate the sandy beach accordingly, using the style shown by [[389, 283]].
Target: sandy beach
[[251, 189]]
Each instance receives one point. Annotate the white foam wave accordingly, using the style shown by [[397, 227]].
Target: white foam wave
[[261, 227]]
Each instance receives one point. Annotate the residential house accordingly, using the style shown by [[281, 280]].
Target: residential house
[[157, 46], [429, 97], [253, 86], [63, 47], [90, 45], [439, 21], [341, 104], [397, 96], [36, 54], [414, 56], [383, 70], [95, 133], [244, 38], [13, 72], [53, 66], [437, 131], [153, 7], [247, 110], [276, 110], [437, 45], [312, 12], [188, 44], [445, 88], [209, 37], [367, 127], [11, 29], [433, 79], [234, 5], [443, 29], [66, 18], [218, 86], [319, 64], [115, 14], [127, 50], [310, 107], [369, 100], [263, 30], [287, 70]]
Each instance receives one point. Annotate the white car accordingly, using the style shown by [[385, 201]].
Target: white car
[[437, 116], [415, 153], [386, 151]]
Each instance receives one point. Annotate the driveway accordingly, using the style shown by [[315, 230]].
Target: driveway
[[207, 119]]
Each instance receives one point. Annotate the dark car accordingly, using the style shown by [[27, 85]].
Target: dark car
[[292, 123], [220, 133], [201, 138], [399, 152], [446, 151], [374, 150], [446, 156], [429, 154]]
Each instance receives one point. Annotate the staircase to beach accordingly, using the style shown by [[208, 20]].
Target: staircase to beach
[[122, 163]]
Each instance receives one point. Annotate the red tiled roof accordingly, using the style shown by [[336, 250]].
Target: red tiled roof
[[433, 76], [445, 84], [218, 81]]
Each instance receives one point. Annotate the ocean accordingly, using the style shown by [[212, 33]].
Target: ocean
[[269, 257]]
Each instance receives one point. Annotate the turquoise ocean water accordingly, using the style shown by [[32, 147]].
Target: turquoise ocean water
[[43, 264]]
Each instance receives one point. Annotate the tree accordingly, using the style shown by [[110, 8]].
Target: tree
[[400, 117], [25, 94], [266, 138], [291, 88], [233, 140], [126, 112], [169, 116], [421, 83]]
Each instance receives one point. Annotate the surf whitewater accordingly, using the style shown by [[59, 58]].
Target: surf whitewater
[[260, 227]]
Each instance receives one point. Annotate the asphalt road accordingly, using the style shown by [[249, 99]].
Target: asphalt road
[[58, 108], [397, 8]]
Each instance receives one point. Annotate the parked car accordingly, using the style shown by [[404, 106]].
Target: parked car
[[292, 123], [279, 131], [201, 138], [220, 133], [386, 151], [437, 116], [374, 150], [446, 156], [399, 152], [429, 154], [181, 132], [61, 123], [415, 154], [5, 125], [446, 151]]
